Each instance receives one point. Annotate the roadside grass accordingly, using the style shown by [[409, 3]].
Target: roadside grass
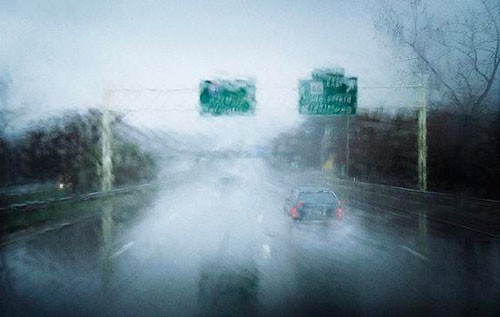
[[125, 205]]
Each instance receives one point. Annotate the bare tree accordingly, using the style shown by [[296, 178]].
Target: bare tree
[[458, 50]]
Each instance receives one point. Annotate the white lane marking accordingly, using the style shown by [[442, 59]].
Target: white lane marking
[[121, 250], [272, 185], [415, 253], [266, 251]]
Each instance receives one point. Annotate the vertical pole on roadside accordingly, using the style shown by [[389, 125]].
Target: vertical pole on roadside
[[422, 139], [106, 139], [325, 142], [107, 223], [422, 163], [347, 150]]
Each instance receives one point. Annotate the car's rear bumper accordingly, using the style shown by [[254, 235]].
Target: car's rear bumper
[[316, 222]]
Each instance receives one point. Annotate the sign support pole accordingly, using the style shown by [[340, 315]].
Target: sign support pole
[[422, 140], [106, 139], [347, 148], [422, 163]]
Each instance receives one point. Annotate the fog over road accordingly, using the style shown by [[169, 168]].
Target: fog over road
[[218, 244]]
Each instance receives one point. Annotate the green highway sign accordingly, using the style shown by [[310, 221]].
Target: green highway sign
[[227, 97], [329, 92]]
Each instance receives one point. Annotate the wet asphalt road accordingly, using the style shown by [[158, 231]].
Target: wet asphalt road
[[219, 244]]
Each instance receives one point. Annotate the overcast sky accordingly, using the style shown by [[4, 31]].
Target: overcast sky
[[64, 54]]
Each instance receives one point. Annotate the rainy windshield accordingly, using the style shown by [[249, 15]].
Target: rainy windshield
[[250, 158]]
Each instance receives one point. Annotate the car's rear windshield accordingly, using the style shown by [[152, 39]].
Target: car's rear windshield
[[317, 198]]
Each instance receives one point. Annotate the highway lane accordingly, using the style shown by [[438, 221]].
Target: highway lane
[[460, 267], [218, 244]]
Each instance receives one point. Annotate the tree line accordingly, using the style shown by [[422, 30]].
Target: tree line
[[383, 149], [68, 150]]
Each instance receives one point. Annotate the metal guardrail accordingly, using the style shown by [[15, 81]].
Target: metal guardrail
[[428, 195], [482, 215], [38, 204]]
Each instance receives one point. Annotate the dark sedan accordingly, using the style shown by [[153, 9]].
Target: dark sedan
[[314, 204]]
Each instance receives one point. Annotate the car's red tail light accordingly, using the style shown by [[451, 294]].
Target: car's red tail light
[[340, 213], [294, 212], [300, 204]]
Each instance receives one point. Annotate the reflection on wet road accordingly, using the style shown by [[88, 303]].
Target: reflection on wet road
[[221, 246]]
